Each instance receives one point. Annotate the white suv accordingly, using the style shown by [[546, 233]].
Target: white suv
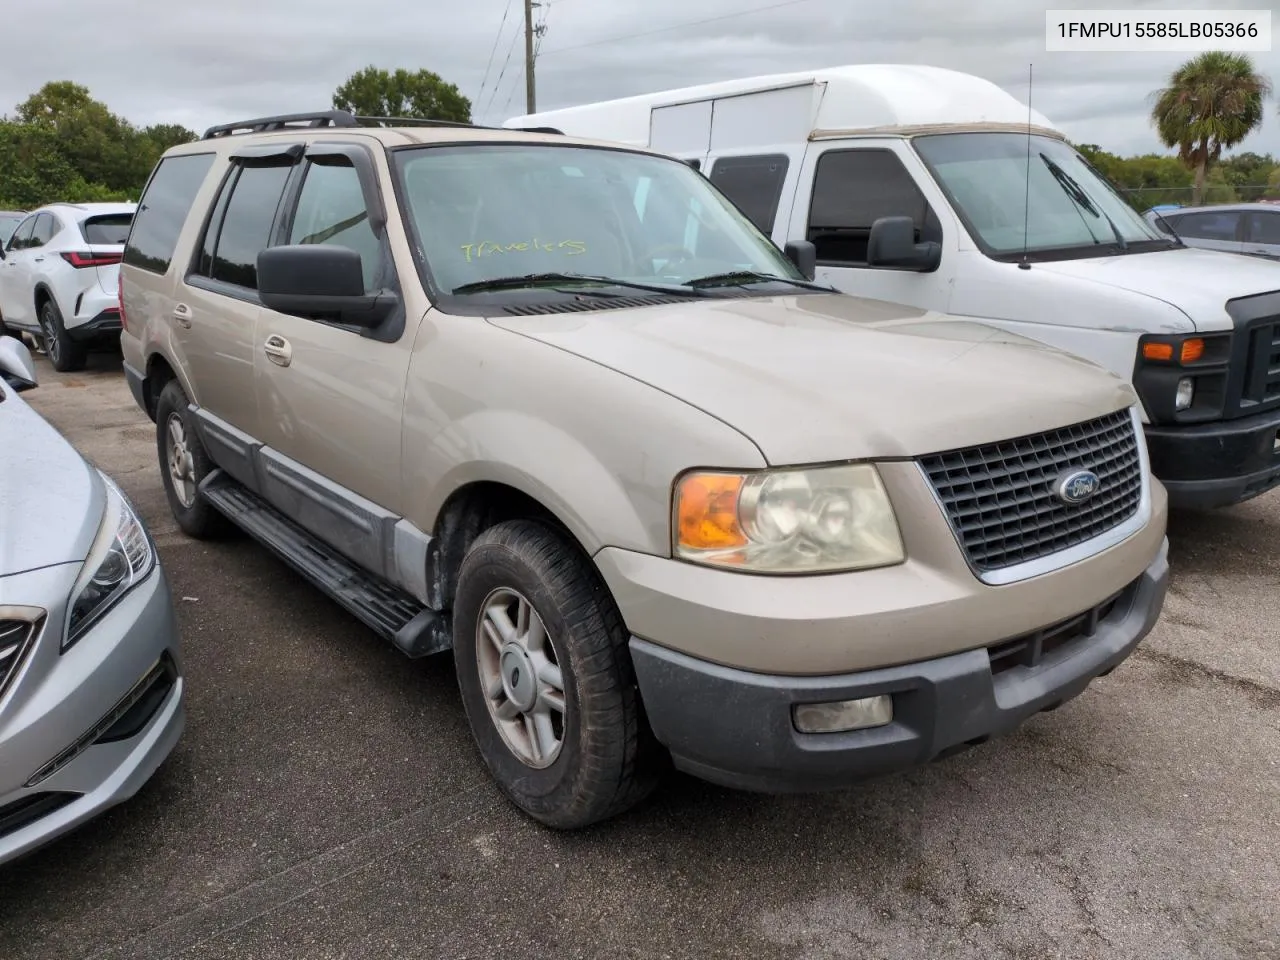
[[59, 278]]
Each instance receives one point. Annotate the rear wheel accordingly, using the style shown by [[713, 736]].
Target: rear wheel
[[183, 465], [64, 353], [546, 678]]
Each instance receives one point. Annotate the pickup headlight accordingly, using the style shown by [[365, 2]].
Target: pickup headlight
[[120, 558], [817, 520]]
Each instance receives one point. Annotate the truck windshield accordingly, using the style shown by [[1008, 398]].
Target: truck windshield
[[487, 214], [1068, 210]]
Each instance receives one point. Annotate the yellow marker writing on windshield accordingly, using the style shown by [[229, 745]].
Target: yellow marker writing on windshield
[[485, 248]]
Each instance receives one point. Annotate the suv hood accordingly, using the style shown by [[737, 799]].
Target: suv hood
[[51, 500], [815, 378], [1197, 282]]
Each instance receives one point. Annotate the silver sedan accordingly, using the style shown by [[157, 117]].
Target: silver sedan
[[90, 676]]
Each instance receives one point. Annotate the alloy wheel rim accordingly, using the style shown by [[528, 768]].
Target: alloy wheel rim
[[520, 678], [178, 456]]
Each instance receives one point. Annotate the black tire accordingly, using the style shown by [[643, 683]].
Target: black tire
[[197, 519], [608, 760], [65, 354]]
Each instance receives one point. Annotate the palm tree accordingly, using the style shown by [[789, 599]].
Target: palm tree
[[1213, 101]]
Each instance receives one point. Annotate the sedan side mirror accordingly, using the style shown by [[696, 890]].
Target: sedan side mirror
[[893, 244], [16, 367], [320, 282], [804, 255]]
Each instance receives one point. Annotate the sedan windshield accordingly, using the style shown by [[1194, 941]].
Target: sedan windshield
[[1067, 208], [497, 216]]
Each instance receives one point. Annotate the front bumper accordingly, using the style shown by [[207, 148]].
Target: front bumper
[[79, 731], [735, 727], [1217, 464]]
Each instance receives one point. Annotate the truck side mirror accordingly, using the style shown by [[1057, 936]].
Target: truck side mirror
[[892, 243], [804, 255]]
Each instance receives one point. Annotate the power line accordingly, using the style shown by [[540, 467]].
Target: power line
[[498, 84], [494, 49], [677, 26]]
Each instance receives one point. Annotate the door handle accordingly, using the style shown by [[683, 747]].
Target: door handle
[[38, 259], [278, 350], [182, 313]]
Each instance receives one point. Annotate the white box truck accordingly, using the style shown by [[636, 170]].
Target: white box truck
[[938, 189]]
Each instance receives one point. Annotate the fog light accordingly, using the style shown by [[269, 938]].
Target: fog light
[[843, 715], [1186, 392]]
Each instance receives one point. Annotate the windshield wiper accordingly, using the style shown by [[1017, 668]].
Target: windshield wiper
[[530, 280], [1076, 193], [741, 278]]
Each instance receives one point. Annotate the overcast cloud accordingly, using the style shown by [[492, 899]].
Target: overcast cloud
[[197, 64]]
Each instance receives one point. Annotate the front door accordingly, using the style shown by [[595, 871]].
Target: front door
[[329, 397], [16, 308], [1211, 229], [843, 190]]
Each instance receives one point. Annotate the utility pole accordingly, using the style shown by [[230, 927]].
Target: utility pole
[[530, 97]]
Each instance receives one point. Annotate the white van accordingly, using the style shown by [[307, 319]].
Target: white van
[[912, 184]]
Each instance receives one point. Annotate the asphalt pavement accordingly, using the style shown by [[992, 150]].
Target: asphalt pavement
[[326, 800]]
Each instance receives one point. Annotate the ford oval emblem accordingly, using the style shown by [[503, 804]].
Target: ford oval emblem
[[1076, 486]]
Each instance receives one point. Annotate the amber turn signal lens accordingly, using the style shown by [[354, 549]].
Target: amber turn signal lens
[[707, 511], [1192, 350], [1157, 351]]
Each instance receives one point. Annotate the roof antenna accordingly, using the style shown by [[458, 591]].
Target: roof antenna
[[1025, 264]]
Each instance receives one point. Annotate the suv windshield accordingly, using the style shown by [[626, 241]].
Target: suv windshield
[[494, 211], [1072, 210], [9, 223]]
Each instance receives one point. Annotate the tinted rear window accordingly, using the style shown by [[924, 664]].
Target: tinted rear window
[[163, 210], [109, 228]]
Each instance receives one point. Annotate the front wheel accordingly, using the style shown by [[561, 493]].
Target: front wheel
[[546, 678]]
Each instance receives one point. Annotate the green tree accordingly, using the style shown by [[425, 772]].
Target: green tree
[[1212, 102], [372, 92], [1273, 185], [100, 146]]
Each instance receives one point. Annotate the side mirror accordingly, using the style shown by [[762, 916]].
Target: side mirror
[[320, 282], [16, 367], [3, 255], [804, 255], [893, 244]]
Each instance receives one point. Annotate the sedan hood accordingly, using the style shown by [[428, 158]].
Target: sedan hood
[[816, 378], [51, 500], [1197, 282]]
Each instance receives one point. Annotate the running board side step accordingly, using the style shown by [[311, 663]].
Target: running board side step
[[385, 609]]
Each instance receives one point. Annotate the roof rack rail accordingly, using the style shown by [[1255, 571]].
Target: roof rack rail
[[325, 118], [343, 118]]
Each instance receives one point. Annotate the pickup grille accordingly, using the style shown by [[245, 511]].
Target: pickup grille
[[1262, 369], [1000, 497], [15, 641]]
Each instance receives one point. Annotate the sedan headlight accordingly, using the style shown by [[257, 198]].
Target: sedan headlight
[[817, 520], [120, 558]]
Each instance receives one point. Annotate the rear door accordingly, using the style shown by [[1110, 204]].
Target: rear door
[[1211, 229], [216, 305], [1263, 238]]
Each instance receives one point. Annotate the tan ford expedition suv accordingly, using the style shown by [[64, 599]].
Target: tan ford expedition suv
[[558, 406]]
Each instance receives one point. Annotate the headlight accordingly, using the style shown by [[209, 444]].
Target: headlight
[[787, 521], [121, 557]]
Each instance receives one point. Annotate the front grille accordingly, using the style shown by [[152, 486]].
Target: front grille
[[1262, 368], [1000, 497], [22, 813], [15, 641]]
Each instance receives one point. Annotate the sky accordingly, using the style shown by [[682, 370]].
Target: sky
[[177, 61]]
